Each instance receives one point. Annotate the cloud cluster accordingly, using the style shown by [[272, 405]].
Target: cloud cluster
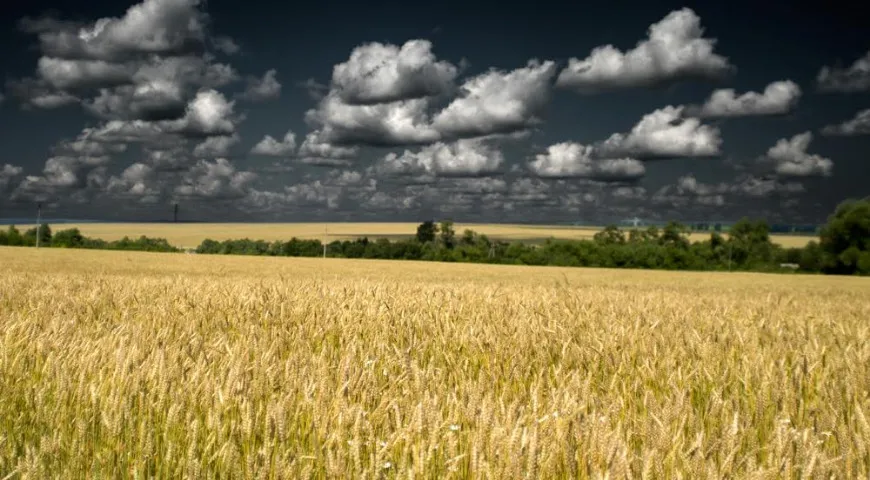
[[215, 180], [778, 98], [148, 74], [791, 159], [674, 50], [153, 80]]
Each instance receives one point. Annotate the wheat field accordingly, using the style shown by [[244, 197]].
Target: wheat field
[[141, 365], [190, 235]]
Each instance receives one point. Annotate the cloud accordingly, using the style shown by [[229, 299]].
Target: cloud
[[262, 89], [145, 65], [674, 50], [37, 94], [168, 158], [86, 145], [315, 89], [62, 175], [688, 190], [457, 159], [208, 114], [664, 133], [270, 147], [573, 160], [790, 158], [334, 190], [226, 45], [139, 181], [7, 174], [498, 102], [629, 193], [860, 125], [398, 123], [752, 186], [315, 151], [64, 74], [133, 131], [855, 78], [151, 27], [383, 73], [215, 180], [216, 146], [160, 88], [778, 98]]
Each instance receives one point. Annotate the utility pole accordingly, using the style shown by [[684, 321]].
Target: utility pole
[[38, 222], [175, 213], [325, 235]]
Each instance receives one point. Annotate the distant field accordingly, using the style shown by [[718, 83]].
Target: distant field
[[138, 365], [192, 234]]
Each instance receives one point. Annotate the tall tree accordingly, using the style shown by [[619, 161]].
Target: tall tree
[[426, 231], [448, 235], [845, 239]]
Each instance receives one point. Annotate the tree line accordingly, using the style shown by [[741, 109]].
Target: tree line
[[843, 247], [72, 238]]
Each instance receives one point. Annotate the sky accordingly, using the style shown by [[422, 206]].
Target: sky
[[472, 111]]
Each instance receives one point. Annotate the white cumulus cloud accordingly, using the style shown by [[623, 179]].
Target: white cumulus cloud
[[460, 158], [664, 133], [674, 50], [855, 78], [777, 98], [570, 159], [498, 102], [860, 125], [384, 73], [269, 146], [791, 159]]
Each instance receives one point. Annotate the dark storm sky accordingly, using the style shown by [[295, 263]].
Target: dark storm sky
[[485, 111]]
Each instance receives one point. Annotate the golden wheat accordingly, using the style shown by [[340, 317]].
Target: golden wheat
[[134, 365], [192, 234]]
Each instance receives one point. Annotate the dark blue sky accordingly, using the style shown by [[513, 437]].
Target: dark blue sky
[[485, 158]]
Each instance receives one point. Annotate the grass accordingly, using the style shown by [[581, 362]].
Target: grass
[[128, 364], [192, 234]]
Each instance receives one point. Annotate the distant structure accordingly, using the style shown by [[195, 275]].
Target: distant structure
[[635, 222], [175, 213]]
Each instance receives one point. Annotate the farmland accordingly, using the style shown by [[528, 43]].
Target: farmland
[[192, 234], [121, 364]]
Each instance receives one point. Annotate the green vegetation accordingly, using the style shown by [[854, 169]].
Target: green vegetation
[[844, 247], [72, 238]]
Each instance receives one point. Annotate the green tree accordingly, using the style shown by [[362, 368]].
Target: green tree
[[426, 231], [13, 237], [467, 237], [845, 239], [675, 235], [611, 235], [44, 235], [447, 234]]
